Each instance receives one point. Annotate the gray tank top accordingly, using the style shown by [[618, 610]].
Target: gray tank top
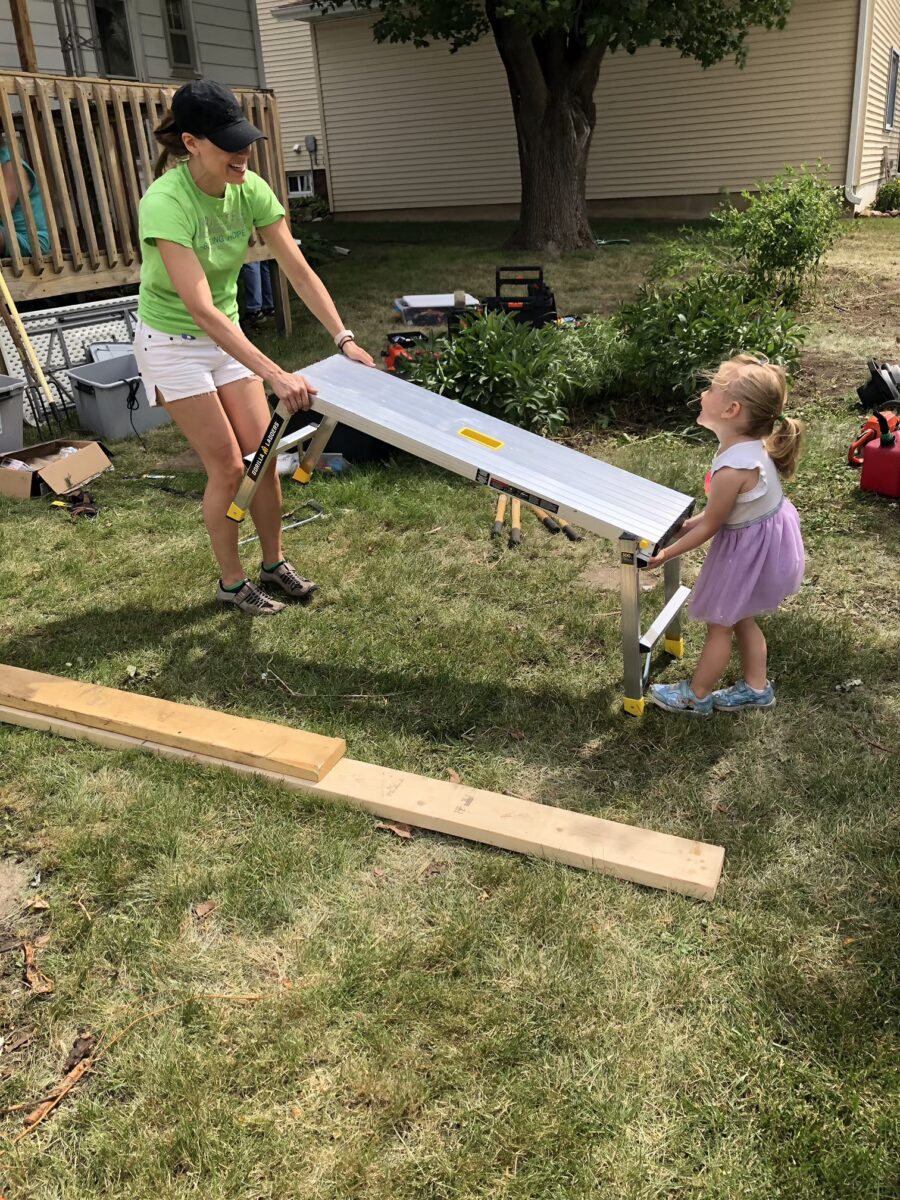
[[762, 500]]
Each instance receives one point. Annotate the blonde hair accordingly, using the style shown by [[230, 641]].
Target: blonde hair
[[761, 390], [168, 135]]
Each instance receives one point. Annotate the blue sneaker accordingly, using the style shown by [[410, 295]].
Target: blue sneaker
[[678, 698], [741, 696]]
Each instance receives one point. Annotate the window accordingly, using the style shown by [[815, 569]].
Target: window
[[114, 48], [300, 183], [180, 36], [891, 107]]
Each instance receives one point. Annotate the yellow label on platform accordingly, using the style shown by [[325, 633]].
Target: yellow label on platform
[[481, 438]]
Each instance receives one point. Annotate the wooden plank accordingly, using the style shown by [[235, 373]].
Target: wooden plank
[[201, 730], [33, 287], [24, 37], [36, 156], [59, 176], [625, 852], [98, 180], [140, 136], [123, 217], [126, 154], [87, 217]]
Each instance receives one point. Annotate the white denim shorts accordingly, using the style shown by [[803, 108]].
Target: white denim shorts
[[181, 365]]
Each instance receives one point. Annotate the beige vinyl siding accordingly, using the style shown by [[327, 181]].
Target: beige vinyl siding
[[288, 58], [412, 128], [885, 37]]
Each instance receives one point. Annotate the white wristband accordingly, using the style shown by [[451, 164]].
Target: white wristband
[[343, 335]]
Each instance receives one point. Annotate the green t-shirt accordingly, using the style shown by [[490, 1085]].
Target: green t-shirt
[[217, 229]]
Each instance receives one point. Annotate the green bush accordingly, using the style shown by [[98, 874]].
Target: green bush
[[308, 208], [887, 198], [780, 237], [674, 337], [496, 365]]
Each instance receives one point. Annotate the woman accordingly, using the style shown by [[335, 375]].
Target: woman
[[195, 223], [10, 181]]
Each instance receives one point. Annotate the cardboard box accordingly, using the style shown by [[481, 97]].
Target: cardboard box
[[50, 473]]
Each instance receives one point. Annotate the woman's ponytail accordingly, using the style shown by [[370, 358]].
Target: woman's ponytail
[[169, 137], [784, 443]]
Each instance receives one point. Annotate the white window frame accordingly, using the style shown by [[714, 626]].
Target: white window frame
[[890, 108], [182, 70], [303, 187]]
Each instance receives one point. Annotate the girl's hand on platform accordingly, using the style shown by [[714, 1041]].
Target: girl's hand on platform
[[357, 354], [294, 391], [658, 559]]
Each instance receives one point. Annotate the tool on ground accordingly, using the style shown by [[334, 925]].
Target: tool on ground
[[877, 449], [570, 486], [515, 522], [532, 302], [499, 516], [318, 513], [572, 534], [545, 519]]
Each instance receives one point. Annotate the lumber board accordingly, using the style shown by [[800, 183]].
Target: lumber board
[[257, 744], [657, 860]]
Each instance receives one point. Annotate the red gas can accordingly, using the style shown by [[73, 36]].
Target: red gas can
[[881, 463]]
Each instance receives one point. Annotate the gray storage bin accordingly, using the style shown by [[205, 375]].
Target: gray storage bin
[[102, 392], [11, 393]]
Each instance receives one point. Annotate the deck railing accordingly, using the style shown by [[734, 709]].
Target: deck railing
[[90, 144]]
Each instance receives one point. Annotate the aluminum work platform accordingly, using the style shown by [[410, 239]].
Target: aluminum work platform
[[635, 513]]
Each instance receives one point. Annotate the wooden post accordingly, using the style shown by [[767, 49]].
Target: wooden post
[[24, 40], [282, 298]]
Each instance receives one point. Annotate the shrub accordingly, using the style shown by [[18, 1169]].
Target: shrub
[[887, 198], [501, 367], [780, 237], [674, 337]]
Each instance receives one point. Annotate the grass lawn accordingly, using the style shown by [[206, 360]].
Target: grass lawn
[[434, 1019]]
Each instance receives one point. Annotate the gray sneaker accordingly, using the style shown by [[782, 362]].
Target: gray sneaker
[[249, 599], [741, 696], [285, 577]]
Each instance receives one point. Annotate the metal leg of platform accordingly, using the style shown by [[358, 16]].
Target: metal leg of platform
[[314, 450], [633, 682], [673, 639]]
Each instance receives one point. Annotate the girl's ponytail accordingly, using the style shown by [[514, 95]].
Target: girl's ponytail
[[169, 137], [784, 444]]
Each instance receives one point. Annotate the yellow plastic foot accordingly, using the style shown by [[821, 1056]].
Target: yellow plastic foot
[[301, 475], [235, 514], [674, 646], [634, 708]]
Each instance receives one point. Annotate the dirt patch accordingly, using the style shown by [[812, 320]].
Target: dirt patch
[[187, 461], [607, 578], [13, 883]]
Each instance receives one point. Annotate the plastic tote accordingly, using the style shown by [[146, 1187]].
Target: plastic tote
[[111, 401], [11, 392]]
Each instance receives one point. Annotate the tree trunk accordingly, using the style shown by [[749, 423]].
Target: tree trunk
[[551, 82]]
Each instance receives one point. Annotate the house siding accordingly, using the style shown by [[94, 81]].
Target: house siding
[[289, 58], [878, 143], [409, 128]]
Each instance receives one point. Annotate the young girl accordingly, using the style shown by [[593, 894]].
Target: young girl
[[756, 559]]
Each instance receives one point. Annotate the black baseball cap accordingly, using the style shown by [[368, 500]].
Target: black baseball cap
[[208, 110]]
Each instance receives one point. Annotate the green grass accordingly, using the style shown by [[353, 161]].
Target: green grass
[[441, 1020]]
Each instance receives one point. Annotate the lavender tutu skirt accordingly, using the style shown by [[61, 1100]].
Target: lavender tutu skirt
[[750, 570]]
